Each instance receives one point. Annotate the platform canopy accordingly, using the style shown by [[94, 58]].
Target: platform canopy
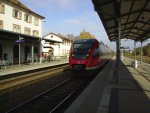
[[134, 16], [13, 36]]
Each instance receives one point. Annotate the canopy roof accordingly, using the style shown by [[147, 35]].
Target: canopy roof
[[13, 36], [134, 16]]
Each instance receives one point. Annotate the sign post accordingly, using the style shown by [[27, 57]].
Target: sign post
[[20, 41]]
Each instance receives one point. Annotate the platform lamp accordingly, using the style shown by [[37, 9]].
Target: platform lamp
[[42, 26]]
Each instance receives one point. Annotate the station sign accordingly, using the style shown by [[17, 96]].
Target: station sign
[[19, 41]]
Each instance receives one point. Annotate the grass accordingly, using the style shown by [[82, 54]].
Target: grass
[[144, 58]]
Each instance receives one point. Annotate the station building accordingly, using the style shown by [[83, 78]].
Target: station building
[[20, 32], [56, 45]]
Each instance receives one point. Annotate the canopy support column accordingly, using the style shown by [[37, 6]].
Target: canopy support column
[[141, 53], [117, 67], [19, 53], [32, 53], [135, 61], [134, 50], [41, 51]]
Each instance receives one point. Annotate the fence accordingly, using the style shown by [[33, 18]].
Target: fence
[[30, 60]]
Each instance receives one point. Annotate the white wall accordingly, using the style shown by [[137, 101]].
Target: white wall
[[53, 37], [9, 20], [65, 47], [58, 50]]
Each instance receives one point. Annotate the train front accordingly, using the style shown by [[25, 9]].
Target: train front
[[79, 54]]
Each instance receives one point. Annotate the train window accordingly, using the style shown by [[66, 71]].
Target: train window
[[81, 48], [97, 46], [96, 52]]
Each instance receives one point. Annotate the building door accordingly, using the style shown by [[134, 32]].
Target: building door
[[27, 53], [16, 54], [51, 53], [1, 52], [36, 54], [36, 50]]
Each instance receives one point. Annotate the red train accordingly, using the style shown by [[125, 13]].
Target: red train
[[87, 54]]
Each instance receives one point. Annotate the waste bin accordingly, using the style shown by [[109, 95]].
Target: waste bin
[[135, 64]]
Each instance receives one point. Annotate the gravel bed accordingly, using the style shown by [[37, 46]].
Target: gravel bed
[[19, 95]]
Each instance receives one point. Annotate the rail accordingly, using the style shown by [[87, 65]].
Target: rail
[[37, 96], [5, 64]]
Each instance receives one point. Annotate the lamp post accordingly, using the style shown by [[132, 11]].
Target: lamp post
[[41, 51], [141, 53], [42, 26]]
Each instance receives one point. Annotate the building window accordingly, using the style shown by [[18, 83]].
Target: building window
[[16, 28], [64, 42], [27, 18], [2, 8], [1, 24], [17, 14], [35, 33], [67, 43], [27, 30], [36, 21]]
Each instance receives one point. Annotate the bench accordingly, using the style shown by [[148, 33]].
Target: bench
[[3, 63]]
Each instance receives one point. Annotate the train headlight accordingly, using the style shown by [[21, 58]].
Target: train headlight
[[72, 54]]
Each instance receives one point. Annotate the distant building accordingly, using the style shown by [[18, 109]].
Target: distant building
[[130, 51], [19, 26], [56, 45]]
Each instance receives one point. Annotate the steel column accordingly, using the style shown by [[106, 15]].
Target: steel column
[[19, 52], [134, 50], [118, 51], [32, 53], [41, 45], [141, 53]]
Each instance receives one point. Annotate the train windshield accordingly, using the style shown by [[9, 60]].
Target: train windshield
[[81, 51]]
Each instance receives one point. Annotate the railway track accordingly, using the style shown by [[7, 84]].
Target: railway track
[[19, 98], [22, 93], [52, 99], [20, 81]]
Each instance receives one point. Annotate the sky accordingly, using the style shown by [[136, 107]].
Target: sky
[[71, 17]]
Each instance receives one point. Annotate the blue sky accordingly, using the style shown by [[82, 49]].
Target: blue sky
[[71, 17]]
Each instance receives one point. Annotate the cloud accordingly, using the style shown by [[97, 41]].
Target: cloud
[[70, 22], [68, 17], [87, 21], [65, 3], [50, 4]]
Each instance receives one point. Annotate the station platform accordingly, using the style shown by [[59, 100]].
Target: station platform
[[131, 94], [12, 69]]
